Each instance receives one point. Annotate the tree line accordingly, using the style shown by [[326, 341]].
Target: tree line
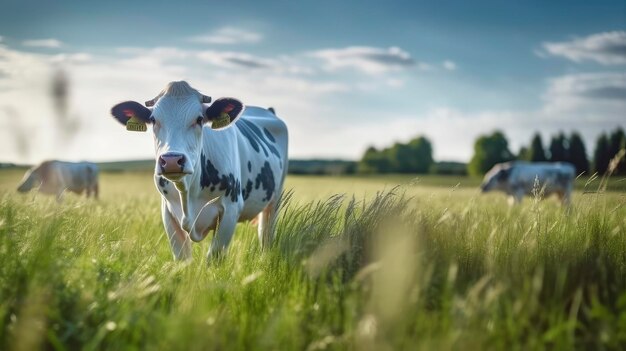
[[493, 148], [416, 155]]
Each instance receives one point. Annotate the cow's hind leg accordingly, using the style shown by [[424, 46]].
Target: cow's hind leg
[[266, 228], [95, 191], [179, 240]]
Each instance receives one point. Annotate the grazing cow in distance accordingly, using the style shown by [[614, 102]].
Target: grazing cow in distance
[[55, 177], [517, 179], [217, 164]]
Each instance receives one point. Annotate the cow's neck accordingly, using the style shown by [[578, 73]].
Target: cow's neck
[[187, 188]]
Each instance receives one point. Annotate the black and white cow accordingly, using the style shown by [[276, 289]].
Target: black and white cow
[[212, 178], [518, 178], [55, 177]]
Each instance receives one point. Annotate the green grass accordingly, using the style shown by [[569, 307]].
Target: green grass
[[428, 265]]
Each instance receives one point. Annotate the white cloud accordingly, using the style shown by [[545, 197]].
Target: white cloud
[[162, 52], [449, 65], [155, 57], [608, 48], [422, 66], [321, 114], [236, 60], [370, 60], [43, 43], [597, 92], [228, 35], [589, 103], [21, 69], [100, 82], [79, 57]]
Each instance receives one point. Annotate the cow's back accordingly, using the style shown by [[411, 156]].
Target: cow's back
[[77, 176], [552, 177]]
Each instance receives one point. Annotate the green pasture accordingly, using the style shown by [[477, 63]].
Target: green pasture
[[359, 263]]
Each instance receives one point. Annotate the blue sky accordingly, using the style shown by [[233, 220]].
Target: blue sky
[[344, 75]]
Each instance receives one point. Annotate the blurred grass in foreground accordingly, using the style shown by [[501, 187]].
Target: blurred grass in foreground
[[424, 266]]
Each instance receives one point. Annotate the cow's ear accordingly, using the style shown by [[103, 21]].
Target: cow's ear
[[131, 113], [223, 112]]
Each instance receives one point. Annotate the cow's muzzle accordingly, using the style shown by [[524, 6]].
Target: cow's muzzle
[[172, 163]]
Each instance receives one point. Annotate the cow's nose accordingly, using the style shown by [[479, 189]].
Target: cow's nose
[[172, 163]]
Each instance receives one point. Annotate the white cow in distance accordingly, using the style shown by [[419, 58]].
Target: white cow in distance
[[517, 179], [217, 164], [55, 177]]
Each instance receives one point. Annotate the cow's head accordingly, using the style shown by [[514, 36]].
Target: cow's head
[[177, 116], [496, 179], [31, 180]]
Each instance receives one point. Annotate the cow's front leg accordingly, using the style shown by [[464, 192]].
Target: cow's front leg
[[223, 233], [516, 197], [179, 241]]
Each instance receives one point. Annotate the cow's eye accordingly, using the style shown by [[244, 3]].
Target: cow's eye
[[199, 120]]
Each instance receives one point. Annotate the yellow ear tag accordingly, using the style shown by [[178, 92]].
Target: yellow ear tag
[[222, 121], [135, 125]]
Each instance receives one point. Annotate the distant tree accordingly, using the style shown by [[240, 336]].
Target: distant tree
[[489, 150], [523, 154], [536, 151], [422, 151], [617, 141], [374, 161], [413, 157], [401, 158], [448, 168], [559, 148], [351, 168], [578, 154], [601, 156]]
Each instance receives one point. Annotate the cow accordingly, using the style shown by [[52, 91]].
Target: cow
[[212, 175], [55, 177], [519, 178]]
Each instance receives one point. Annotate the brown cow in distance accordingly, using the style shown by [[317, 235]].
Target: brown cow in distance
[[55, 177]]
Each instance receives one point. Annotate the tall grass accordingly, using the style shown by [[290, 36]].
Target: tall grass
[[390, 272]]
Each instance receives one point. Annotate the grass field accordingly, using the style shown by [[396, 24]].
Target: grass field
[[396, 263]]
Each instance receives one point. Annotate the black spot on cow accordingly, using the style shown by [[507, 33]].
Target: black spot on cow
[[265, 178], [269, 135], [163, 183], [563, 178], [211, 178], [245, 192], [249, 166], [257, 139]]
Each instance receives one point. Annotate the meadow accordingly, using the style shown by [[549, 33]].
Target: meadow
[[359, 263]]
